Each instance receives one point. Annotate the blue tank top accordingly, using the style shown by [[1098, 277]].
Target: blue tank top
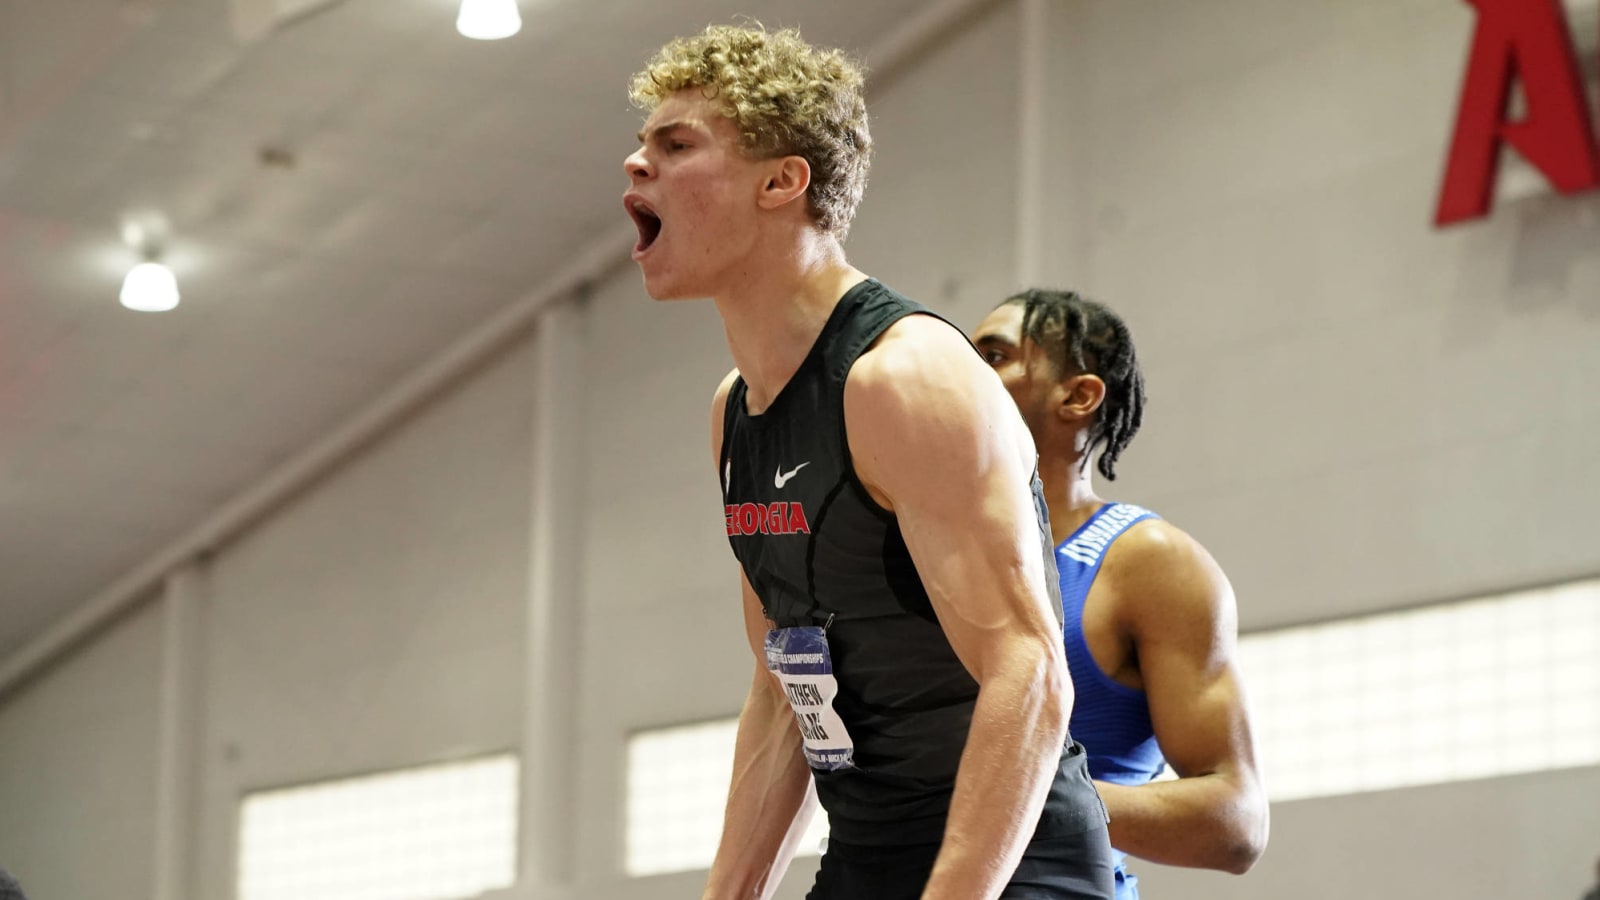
[[1111, 720]]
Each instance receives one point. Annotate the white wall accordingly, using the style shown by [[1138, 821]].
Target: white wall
[[1352, 409], [377, 622], [77, 770], [1533, 836], [938, 222]]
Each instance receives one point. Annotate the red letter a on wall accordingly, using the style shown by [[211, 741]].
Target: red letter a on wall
[[1527, 39]]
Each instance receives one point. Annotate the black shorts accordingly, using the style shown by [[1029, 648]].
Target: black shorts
[[1076, 867]]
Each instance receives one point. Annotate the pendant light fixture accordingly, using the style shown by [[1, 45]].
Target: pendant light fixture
[[488, 20]]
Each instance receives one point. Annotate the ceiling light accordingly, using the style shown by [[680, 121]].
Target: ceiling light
[[150, 287], [488, 20]]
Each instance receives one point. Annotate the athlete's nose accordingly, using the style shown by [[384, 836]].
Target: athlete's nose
[[637, 165]]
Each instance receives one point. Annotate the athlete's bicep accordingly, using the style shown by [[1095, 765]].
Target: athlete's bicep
[[934, 435], [1183, 619]]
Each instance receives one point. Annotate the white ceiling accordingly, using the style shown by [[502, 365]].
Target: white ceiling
[[435, 180]]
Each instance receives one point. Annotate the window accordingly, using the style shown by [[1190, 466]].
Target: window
[[677, 785], [429, 833], [1474, 689]]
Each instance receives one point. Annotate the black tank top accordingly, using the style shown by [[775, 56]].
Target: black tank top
[[820, 551]]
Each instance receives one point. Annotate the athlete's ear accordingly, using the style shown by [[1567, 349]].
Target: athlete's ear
[[1081, 396], [787, 178]]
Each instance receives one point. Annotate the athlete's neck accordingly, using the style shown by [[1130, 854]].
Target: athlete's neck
[[1068, 492], [774, 308]]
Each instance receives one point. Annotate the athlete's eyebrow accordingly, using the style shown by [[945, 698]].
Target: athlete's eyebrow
[[993, 338], [662, 130]]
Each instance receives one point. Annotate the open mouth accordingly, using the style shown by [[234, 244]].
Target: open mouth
[[648, 223]]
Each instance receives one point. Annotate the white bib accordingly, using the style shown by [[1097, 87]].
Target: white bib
[[800, 658]]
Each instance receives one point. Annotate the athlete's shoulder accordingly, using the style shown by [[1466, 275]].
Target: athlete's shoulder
[[917, 349], [923, 386], [1161, 572], [1153, 545], [719, 408], [922, 382], [720, 398]]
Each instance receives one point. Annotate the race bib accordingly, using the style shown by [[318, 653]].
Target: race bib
[[800, 659]]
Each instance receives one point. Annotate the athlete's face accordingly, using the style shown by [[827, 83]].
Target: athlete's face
[[1023, 366], [692, 196], [1058, 407]]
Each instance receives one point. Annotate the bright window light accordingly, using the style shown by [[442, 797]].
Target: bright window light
[[1476, 689], [430, 833], [677, 786]]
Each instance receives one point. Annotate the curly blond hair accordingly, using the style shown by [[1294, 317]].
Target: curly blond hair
[[787, 98]]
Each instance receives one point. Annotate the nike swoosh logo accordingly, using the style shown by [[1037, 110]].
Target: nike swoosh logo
[[782, 478]]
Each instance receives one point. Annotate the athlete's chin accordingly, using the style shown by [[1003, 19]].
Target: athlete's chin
[[664, 288], [665, 295]]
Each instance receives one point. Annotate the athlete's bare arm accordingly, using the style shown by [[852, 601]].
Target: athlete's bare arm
[[936, 440], [1175, 603], [767, 809]]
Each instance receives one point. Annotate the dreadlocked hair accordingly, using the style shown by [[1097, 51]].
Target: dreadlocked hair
[[1083, 337]]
